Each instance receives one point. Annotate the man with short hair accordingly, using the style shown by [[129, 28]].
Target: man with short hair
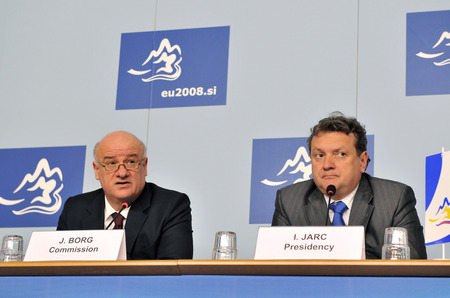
[[158, 222], [338, 149]]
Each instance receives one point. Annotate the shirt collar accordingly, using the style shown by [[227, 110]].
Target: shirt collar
[[110, 210], [348, 199]]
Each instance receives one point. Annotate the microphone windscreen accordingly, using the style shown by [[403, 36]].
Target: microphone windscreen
[[127, 203], [331, 190]]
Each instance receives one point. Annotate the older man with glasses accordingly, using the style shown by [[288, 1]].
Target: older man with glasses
[[158, 222]]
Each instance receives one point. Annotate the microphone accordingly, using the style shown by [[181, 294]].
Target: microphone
[[331, 191], [126, 203]]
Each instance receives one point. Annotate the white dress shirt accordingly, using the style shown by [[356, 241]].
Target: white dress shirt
[[348, 200], [110, 210]]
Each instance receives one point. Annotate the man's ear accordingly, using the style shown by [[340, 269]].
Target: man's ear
[[96, 169], [144, 165], [364, 160]]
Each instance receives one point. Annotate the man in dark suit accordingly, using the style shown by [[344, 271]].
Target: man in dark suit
[[158, 223], [338, 148]]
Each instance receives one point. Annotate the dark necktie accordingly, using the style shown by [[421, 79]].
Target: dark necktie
[[118, 222], [338, 208]]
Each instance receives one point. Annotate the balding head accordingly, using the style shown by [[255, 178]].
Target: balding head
[[121, 166], [119, 137]]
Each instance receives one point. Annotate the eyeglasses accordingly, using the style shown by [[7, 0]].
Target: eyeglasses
[[130, 165]]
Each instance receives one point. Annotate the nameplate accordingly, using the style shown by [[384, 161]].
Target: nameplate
[[85, 245], [319, 243]]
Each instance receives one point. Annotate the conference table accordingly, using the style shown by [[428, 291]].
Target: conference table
[[226, 278]]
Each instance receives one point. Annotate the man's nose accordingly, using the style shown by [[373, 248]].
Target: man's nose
[[122, 171], [328, 162]]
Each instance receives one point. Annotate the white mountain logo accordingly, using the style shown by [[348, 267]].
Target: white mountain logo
[[49, 201], [166, 62], [445, 37], [297, 164]]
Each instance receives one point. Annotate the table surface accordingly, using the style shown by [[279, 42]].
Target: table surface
[[408, 268]]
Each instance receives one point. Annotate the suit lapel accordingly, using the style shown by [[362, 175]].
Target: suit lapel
[[96, 207], [137, 216], [315, 211], [361, 208]]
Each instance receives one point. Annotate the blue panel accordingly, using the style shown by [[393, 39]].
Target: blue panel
[[37, 183], [276, 163], [177, 68], [428, 53], [220, 286]]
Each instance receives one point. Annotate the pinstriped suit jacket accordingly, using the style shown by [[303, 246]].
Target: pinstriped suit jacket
[[378, 204]]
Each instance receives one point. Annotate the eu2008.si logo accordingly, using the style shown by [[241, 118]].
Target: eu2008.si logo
[[176, 68]]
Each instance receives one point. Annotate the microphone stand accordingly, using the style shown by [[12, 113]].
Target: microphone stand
[[328, 210], [331, 191]]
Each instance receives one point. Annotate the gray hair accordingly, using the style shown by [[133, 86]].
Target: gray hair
[[144, 148]]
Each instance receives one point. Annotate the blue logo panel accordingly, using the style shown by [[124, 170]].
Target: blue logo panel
[[36, 182], [176, 68], [428, 53], [277, 163]]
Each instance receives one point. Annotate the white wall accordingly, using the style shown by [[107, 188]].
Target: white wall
[[290, 64]]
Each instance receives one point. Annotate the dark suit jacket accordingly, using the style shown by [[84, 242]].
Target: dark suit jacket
[[158, 225], [378, 204]]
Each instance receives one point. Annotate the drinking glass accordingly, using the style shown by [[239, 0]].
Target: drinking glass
[[225, 246], [395, 244], [12, 249]]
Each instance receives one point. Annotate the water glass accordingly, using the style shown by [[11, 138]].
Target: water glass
[[12, 249], [225, 246], [395, 244]]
